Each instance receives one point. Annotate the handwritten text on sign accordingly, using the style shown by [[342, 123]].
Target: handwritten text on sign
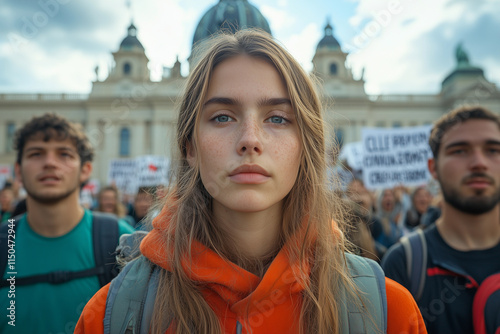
[[395, 156]]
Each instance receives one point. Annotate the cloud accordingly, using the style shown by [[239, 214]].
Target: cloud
[[412, 49], [55, 43], [279, 19], [303, 44], [409, 50]]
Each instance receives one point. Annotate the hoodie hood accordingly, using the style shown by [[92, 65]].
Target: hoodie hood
[[230, 289]]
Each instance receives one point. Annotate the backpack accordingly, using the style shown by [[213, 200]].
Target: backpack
[[131, 297], [486, 304], [104, 240]]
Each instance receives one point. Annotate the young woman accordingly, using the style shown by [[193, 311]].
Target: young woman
[[249, 239]]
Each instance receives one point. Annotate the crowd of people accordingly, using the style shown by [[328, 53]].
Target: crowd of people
[[389, 214], [249, 237]]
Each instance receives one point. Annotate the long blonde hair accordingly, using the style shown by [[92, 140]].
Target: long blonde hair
[[309, 206]]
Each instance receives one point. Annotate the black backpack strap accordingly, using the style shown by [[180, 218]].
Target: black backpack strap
[[104, 239], [55, 277], [415, 247], [105, 235]]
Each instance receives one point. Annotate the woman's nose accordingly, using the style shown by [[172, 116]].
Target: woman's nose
[[250, 139]]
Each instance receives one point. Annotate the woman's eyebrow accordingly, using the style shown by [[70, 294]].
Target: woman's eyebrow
[[275, 101], [264, 102], [223, 100]]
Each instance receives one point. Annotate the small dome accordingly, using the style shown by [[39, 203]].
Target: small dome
[[231, 15], [131, 40], [464, 67], [328, 41]]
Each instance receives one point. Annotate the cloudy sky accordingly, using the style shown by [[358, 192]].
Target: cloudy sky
[[405, 46]]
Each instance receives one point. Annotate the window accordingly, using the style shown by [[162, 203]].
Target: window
[[11, 131], [125, 142], [127, 68], [333, 69], [396, 124], [380, 124]]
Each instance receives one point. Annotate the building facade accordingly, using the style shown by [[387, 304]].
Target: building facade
[[128, 115]]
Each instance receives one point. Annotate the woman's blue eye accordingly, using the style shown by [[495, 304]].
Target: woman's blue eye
[[222, 118], [277, 120]]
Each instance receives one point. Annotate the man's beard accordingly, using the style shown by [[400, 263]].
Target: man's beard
[[474, 205], [49, 199]]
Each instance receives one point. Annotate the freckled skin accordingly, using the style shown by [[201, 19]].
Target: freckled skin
[[251, 133]]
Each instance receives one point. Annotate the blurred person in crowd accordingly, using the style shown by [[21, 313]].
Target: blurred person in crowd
[[359, 233], [108, 201], [420, 199], [434, 211], [389, 212], [403, 197], [6, 203], [364, 210], [463, 247], [142, 203], [20, 208], [63, 253]]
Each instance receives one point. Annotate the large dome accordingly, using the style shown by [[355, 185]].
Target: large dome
[[229, 15]]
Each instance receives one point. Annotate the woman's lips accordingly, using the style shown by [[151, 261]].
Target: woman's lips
[[249, 178]]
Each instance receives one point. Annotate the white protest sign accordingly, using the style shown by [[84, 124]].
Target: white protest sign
[[5, 174], [395, 156], [144, 171], [88, 192], [353, 154], [122, 173], [152, 170]]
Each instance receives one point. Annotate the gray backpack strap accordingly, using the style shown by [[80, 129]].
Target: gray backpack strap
[[415, 247], [131, 297], [370, 280]]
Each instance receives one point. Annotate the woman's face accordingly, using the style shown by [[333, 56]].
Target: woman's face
[[248, 139], [108, 201], [388, 200], [422, 200]]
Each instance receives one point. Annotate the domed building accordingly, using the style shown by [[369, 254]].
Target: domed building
[[127, 115], [230, 16]]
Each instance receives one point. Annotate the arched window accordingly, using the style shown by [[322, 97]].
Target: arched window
[[333, 69], [125, 142], [127, 68], [11, 131]]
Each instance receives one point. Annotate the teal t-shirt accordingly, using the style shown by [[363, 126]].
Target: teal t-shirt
[[44, 307]]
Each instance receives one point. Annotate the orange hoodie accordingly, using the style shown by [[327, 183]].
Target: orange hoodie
[[270, 304]]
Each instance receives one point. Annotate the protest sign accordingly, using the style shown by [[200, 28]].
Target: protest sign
[[353, 154], [144, 171], [122, 174], [395, 156], [152, 170], [5, 174], [89, 192]]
